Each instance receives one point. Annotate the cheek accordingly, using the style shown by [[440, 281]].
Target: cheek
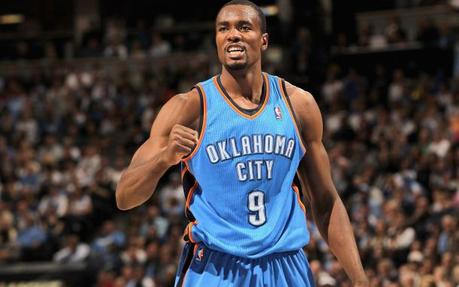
[[219, 45], [220, 53], [256, 48]]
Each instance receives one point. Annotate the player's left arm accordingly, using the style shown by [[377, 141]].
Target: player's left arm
[[328, 210]]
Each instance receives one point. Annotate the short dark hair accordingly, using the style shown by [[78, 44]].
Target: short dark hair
[[260, 13]]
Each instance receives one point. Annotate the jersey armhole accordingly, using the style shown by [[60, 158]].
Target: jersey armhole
[[202, 120], [201, 110], [295, 120]]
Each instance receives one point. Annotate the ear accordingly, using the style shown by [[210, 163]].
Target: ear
[[264, 41]]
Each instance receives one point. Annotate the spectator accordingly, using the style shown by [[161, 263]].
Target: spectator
[[54, 201], [428, 33], [79, 214], [397, 87], [108, 244], [159, 47], [137, 51], [172, 200], [446, 36], [115, 36], [73, 251], [31, 237], [8, 236], [91, 50], [135, 253], [455, 275], [394, 32], [116, 49], [154, 221], [448, 240]]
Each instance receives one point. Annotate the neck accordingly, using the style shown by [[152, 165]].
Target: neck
[[245, 84]]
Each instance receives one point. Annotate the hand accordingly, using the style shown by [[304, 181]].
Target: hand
[[181, 142]]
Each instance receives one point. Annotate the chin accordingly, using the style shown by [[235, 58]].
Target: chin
[[236, 66]]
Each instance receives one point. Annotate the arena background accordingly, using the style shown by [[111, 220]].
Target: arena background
[[82, 81]]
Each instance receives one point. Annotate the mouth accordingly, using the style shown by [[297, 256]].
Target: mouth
[[235, 51]]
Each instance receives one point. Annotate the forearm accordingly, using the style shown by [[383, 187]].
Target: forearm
[[340, 237], [138, 182], [315, 173]]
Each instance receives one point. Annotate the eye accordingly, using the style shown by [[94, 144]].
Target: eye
[[222, 29], [245, 28]]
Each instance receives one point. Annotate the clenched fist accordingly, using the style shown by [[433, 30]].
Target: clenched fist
[[181, 142]]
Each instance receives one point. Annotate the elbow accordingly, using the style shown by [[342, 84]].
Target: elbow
[[130, 194], [121, 203]]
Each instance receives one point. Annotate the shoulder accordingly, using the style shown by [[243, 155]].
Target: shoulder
[[183, 109], [188, 100], [303, 103], [299, 97], [306, 110]]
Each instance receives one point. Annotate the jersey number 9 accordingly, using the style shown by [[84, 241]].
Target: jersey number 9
[[256, 205]]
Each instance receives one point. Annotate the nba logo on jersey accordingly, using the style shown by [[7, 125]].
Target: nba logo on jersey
[[277, 112], [200, 254]]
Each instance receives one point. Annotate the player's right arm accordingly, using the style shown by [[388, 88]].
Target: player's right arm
[[173, 136]]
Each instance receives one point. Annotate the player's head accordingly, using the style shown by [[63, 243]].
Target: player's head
[[241, 35], [260, 14]]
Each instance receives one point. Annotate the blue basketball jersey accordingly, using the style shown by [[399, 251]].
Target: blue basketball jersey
[[238, 181]]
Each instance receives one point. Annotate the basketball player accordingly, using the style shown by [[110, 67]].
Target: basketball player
[[242, 137]]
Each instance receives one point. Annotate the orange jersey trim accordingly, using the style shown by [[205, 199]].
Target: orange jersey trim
[[298, 197], [284, 96], [188, 231], [250, 117]]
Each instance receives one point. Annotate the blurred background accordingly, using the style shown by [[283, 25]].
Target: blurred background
[[82, 81]]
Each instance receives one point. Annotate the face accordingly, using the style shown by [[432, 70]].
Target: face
[[239, 37]]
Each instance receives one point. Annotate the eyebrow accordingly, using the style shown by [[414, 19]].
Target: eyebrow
[[241, 22], [223, 23]]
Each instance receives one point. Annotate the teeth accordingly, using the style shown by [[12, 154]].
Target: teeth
[[235, 50]]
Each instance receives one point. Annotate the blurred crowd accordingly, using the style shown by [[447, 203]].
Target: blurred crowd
[[428, 33], [65, 137], [111, 40], [393, 145], [67, 133]]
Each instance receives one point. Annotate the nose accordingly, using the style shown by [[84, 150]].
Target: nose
[[234, 35]]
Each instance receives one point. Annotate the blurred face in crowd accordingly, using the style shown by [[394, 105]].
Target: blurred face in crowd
[[239, 37], [448, 223], [455, 274]]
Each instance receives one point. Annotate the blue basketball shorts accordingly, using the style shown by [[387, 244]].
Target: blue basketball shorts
[[200, 266]]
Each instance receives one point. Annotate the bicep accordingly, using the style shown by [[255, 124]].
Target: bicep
[[315, 171], [314, 168], [181, 109]]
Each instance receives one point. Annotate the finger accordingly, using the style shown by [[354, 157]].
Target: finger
[[186, 130], [186, 135], [186, 142], [182, 149]]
